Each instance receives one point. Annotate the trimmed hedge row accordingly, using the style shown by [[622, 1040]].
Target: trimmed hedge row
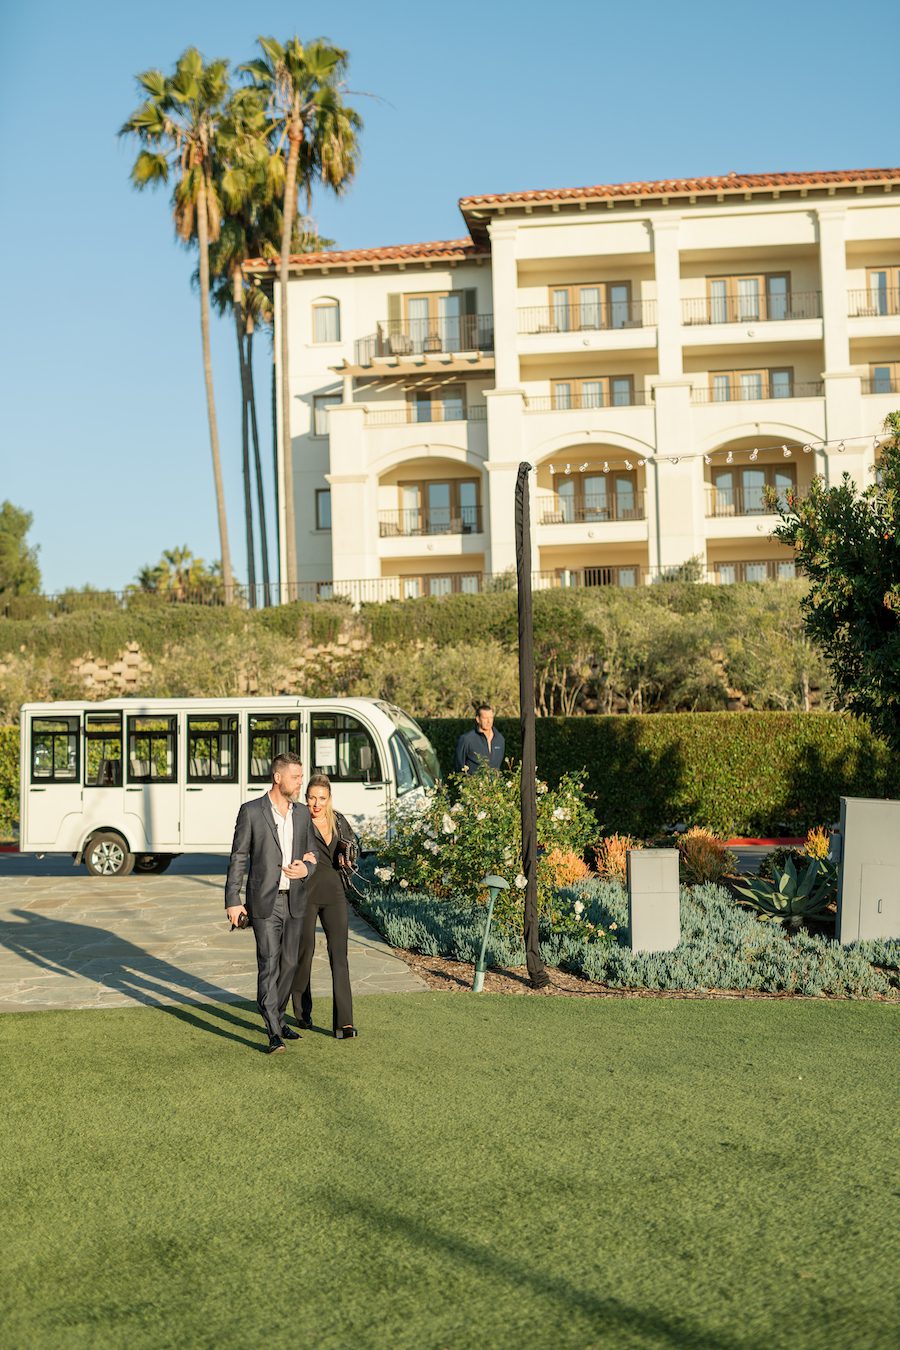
[[736, 773], [9, 782]]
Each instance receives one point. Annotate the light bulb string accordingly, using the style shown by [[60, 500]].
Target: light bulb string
[[725, 456]]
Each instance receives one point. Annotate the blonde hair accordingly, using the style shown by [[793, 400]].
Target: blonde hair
[[321, 780]]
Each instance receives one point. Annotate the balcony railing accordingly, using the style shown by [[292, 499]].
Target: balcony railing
[[753, 394], [752, 309], [588, 318], [593, 509], [740, 501], [415, 337], [413, 521], [418, 413], [770, 569], [873, 302], [882, 385], [577, 402]]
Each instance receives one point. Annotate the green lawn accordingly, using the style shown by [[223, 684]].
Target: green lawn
[[472, 1172]]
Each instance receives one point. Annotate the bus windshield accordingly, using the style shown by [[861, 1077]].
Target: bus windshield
[[417, 743]]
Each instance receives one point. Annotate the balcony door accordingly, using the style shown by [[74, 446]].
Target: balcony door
[[450, 316]]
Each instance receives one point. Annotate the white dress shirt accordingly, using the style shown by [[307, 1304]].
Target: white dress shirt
[[284, 828]]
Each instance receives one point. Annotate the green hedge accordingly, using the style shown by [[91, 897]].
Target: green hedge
[[737, 773], [9, 782]]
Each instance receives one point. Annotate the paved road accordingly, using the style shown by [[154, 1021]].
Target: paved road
[[69, 940]]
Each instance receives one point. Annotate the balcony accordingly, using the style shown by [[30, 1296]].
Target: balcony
[[724, 503], [418, 337], [760, 308], [884, 384], [588, 318], [593, 509], [415, 522], [873, 302], [769, 569], [756, 394], [543, 403], [414, 414]]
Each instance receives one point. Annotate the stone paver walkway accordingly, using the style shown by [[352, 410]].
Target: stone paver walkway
[[68, 940]]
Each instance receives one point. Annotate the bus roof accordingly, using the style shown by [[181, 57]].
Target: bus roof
[[136, 703]]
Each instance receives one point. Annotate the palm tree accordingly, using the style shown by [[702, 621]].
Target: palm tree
[[177, 126], [315, 132]]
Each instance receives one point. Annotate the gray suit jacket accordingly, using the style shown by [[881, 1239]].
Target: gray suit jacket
[[256, 846]]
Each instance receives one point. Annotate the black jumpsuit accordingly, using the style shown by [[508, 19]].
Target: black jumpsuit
[[325, 901]]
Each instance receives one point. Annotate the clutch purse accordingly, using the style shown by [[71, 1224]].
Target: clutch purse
[[243, 921], [347, 854]]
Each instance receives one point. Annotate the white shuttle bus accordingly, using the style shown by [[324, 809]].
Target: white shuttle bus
[[129, 783]]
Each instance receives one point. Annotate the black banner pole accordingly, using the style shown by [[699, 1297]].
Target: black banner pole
[[536, 969]]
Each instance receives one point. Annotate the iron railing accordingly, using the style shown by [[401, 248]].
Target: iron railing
[[739, 394], [760, 308], [415, 337], [873, 302], [587, 318], [591, 509], [415, 413], [769, 569], [579, 401], [433, 520], [882, 385], [740, 501]]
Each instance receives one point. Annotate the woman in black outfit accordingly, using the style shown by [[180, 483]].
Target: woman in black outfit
[[326, 901]]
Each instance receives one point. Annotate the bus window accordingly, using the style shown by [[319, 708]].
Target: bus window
[[212, 749], [151, 750], [103, 750], [344, 749], [417, 743], [269, 735], [54, 749], [407, 779]]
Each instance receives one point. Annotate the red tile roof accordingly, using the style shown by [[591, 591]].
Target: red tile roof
[[455, 250], [672, 187]]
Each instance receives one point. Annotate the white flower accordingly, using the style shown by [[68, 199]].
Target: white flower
[[384, 873], [561, 813], [542, 788], [578, 907], [448, 824], [521, 882], [445, 879], [403, 885], [482, 815], [457, 810]]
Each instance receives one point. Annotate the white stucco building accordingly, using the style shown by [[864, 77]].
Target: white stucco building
[[660, 352]]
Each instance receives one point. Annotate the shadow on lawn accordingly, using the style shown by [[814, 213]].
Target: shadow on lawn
[[109, 960], [608, 1311]]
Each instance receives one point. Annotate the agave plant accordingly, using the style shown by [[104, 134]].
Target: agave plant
[[792, 897]]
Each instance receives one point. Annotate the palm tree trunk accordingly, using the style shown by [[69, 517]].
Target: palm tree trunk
[[295, 132], [203, 241], [245, 462], [260, 494], [277, 479]]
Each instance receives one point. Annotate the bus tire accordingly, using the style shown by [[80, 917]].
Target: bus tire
[[151, 862], [106, 855]]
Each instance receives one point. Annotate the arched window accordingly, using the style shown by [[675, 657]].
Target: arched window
[[326, 320]]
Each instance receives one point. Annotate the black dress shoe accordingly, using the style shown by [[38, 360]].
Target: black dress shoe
[[304, 1024], [288, 1034], [345, 1033], [275, 1044]]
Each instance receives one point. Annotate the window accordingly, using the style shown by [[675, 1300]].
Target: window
[[344, 749], [594, 497], [321, 404], [448, 506], [444, 583], [151, 750], [103, 750], [745, 492], [605, 304], [438, 405], [54, 749], [212, 749], [323, 508], [744, 299], [404, 772], [607, 391], [884, 378], [270, 734], [326, 321], [883, 285], [742, 385]]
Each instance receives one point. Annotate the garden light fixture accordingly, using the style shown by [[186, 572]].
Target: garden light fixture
[[494, 886]]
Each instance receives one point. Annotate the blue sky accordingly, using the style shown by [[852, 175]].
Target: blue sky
[[102, 422]]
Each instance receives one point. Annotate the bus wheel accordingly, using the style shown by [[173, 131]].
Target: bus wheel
[[107, 855], [151, 862]]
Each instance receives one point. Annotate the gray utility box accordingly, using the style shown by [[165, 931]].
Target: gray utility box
[[869, 871], [654, 909]]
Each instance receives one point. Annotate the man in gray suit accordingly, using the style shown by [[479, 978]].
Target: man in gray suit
[[273, 837]]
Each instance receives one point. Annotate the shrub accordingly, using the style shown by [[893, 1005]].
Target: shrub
[[794, 895], [470, 827], [818, 842], [703, 857], [564, 867], [9, 782], [611, 856]]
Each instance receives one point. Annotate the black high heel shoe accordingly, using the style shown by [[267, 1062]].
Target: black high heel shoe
[[344, 1033]]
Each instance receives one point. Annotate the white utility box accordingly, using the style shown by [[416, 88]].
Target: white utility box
[[654, 909], [869, 871]]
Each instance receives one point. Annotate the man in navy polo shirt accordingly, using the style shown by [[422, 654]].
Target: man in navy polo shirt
[[482, 747]]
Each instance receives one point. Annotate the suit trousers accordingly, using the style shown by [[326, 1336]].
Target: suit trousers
[[333, 917], [277, 952]]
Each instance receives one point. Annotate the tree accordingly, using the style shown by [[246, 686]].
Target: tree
[[181, 577], [845, 543], [177, 126], [316, 132], [19, 571]]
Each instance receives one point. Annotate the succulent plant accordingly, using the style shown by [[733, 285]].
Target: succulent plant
[[792, 896]]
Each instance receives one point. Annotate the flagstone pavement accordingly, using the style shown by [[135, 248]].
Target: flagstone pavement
[[69, 940]]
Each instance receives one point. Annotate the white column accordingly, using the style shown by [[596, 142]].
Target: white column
[[844, 407], [354, 513], [667, 265], [680, 518], [505, 452], [505, 282]]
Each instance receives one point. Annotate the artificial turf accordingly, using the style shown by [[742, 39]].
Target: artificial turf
[[473, 1171]]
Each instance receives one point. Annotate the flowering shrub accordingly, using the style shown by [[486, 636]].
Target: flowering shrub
[[611, 856], [704, 857], [565, 867], [469, 827], [818, 842]]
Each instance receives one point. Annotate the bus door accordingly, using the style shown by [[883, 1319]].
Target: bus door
[[152, 800], [345, 748], [104, 787], [54, 781], [268, 735], [212, 789]]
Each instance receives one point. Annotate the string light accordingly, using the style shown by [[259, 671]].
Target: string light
[[582, 467], [642, 463], [807, 449], [729, 456], [629, 465], [707, 459], [568, 470], [606, 466], [786, 452], [841, 448], [754, 455]]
